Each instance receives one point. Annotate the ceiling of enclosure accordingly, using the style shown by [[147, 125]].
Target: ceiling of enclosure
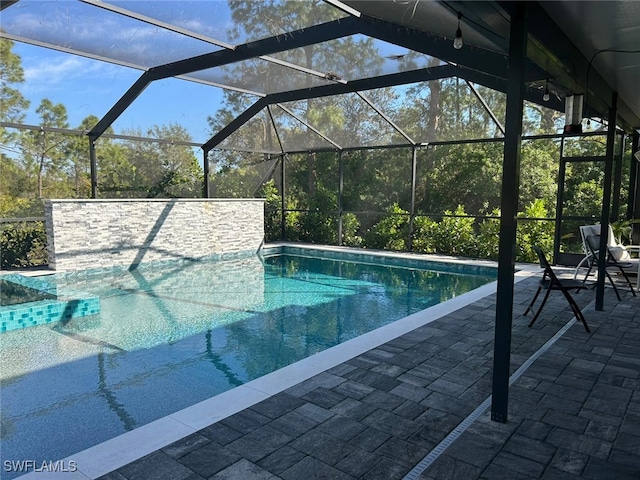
[[285, 59]]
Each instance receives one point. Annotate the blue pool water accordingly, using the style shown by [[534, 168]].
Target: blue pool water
[[171, 335]]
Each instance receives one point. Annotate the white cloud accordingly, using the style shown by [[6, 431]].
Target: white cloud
[[59, 71]]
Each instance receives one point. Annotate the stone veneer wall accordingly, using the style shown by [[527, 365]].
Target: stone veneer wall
[[102, 233]]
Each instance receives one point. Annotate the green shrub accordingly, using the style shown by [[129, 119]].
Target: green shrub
[[489, 237], [423, 234], [23, 245], [350, 226], [390, 233], [320, 223], [272, 211], [455, 235], [533, 233]]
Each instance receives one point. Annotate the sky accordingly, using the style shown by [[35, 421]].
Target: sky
[[91, 87]]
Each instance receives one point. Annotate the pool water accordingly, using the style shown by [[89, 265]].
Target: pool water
[[15, 294], [171, 335]]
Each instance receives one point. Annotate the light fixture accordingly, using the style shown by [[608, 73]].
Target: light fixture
[[546, 95], [573, 113], [457, 42], [637, 155]]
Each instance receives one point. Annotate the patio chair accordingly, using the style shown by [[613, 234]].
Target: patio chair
[[549, 282], [622, 253], [593, 246]]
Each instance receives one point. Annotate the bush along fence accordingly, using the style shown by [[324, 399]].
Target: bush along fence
[[455, 233]]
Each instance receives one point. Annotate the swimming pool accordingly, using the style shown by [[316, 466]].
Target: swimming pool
[[172, 334]]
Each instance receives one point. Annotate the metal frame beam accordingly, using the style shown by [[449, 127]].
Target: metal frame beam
[[420, 41], [617, 178], [310, 127], [279, 43], [121, 105], [71, 51], [7, 3], [156, 23], [412, 208], [93, 168], [562, 173], [273, 124], [340, 195], [197, 36], [236, 123], [605, 216], [633, 209], [291, 40], [205, 168], [391, 80], [509, 209], [404, 78], [486, 106], [385, 117], [330, 90]]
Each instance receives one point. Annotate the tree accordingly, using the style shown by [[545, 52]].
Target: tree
[[115, 171], [12, 104], [45, 151], [78, 156], [164, 169]]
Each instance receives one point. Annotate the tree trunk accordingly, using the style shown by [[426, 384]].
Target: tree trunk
[[40, 172], [433, 112]]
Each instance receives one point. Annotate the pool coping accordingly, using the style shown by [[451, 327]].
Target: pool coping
[[116, 452]]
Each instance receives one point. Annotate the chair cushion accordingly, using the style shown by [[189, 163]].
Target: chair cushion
[[619, 253]]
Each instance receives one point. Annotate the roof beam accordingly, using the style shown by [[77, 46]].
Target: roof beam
[[71, 51], [236, 123], [386, 118], [395, 79], [403, 78], [471, 57], [192, 34], [310, 127], [532, 95], [486, 106], [298, 38], [157, 23], [434, 73], [121, 105], [279, 43], [7, 3]]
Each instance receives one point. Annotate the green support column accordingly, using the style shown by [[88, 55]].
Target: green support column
[[509, 209]]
